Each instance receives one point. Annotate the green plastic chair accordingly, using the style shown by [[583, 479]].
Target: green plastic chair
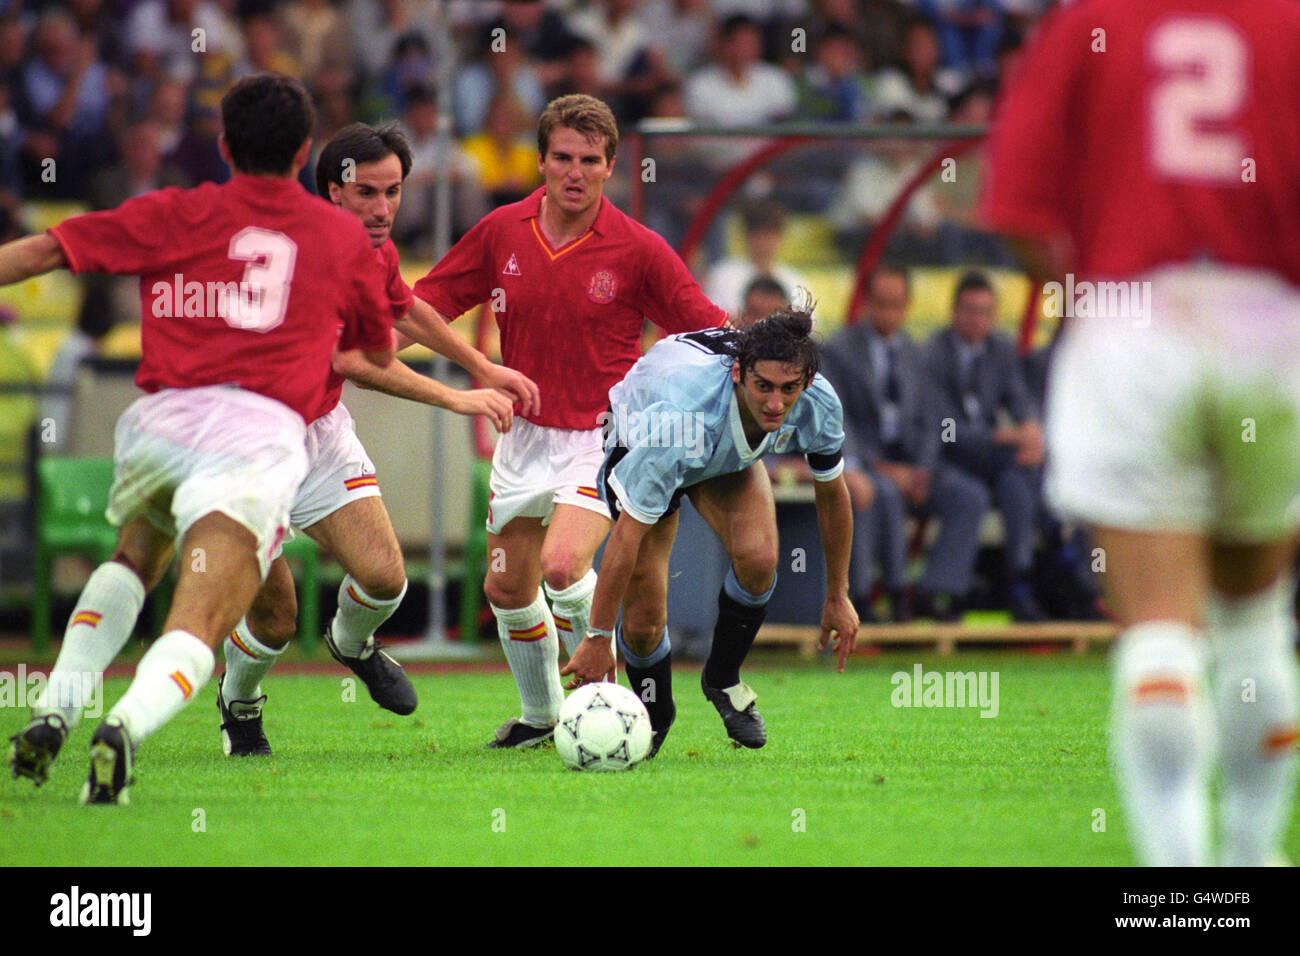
[[71, 495], [471, 585]]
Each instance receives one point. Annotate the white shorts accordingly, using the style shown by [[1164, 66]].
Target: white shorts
[[535, 468], [181, 454], [1188, 421]]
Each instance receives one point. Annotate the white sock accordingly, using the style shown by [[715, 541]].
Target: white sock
[[169, 675], [247, 661], [1253, 640], [1162, 737], [99, 628], [572, 608], [358, 616], [532, 648]]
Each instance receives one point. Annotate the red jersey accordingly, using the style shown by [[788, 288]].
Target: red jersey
[[247, 282], [399, 298], [570, 319], [1155, 132]]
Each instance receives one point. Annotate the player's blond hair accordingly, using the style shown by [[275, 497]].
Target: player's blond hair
[[583, 114]]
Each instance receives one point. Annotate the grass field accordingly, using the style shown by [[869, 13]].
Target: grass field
[[846, 779]]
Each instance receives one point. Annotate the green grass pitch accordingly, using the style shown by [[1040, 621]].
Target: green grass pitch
[[847, 778]]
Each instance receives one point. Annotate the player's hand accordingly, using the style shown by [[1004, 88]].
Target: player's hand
[[591, 662], [839, 621], [495, 405], [519, 385]]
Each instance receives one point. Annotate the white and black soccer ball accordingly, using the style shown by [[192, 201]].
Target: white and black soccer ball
[[603, 727]]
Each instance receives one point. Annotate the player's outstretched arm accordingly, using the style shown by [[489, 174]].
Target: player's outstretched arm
[[30, 256], [423, 324], [594, 659], [401, 381], [835, 521]]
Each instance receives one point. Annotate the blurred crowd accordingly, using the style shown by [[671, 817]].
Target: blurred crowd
[[104, 99]]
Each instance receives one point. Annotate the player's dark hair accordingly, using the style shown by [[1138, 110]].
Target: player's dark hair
[[974, 280], [581, 113], [785, 336], [361, 144], [266, 118]]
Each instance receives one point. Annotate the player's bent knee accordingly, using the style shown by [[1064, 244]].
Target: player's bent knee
[[503, 593], [755, 568], [642, 640], [383, 585], [563, 570]]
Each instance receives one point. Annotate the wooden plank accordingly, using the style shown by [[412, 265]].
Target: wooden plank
[[946, 637]]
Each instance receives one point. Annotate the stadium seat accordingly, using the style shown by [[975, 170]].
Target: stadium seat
[[71, 495], [471, 587]]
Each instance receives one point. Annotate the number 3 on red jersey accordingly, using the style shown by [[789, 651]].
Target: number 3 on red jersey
[[264, 289], [1204, 83]]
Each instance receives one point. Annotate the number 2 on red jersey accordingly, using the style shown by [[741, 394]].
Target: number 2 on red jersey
[[271, 257], [1203, 70]]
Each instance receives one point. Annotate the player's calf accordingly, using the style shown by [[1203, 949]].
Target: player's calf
[[651, 678]]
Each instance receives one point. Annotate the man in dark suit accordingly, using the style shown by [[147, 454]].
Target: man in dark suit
[[891, 438], [988, 425]]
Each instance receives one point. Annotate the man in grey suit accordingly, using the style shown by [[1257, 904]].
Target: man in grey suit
[[891, 437], [989, 426]]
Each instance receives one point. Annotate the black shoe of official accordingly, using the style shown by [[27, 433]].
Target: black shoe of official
[[657, 739], [32, 750], [241, 726], [110, 765], [736, 708], [388, 684], [514, 733]]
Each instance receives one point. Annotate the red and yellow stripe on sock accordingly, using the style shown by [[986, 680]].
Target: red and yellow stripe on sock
[[186, 687], [234, 637], [1281, 740], [365, 481], [1162, 690], [534, 633], [91, 618], [564, 624], [352, 593]]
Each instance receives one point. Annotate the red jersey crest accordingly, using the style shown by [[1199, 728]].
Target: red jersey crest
[[603, 286]]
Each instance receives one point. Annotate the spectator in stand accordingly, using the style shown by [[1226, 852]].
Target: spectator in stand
[[673, 196], [629, 64], [984, 404], [892, 458], [581, 70], [739, 90], [197, 154], [505, 158], [876, 25], [969, 32], [316, 34], [837, 87], [160, 39], [503, 65], [12, 136], [68, 93], [263, 48], [543, 33], [960, 236], [874, 181], [917, 86], [681, 28], [773, 18], [375, 26], [141, 169], [412, 66], [727, 281], [415, 228], [95, 19]]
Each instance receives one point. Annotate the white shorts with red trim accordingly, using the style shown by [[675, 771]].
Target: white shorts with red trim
[[1186, 419], [535, 468], [181, 454]]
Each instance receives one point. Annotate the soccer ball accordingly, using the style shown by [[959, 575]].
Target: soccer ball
[[603, 727]]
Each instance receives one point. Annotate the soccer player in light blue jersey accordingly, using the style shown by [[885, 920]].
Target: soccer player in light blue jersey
[[693, 417]]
